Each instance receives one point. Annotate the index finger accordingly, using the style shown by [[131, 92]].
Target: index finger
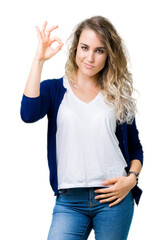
[[50, 30]]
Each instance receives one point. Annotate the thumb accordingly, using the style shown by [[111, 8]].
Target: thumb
[[109, 181]]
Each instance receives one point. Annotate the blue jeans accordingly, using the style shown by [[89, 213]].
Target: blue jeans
[[77, 212]]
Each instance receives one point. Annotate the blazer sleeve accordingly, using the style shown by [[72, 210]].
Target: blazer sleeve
[[34, 108], [134, 144]]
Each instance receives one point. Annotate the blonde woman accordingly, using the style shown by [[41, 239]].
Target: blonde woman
[[94, 150]]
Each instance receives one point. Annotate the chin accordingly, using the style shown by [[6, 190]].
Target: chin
[[89, 72]]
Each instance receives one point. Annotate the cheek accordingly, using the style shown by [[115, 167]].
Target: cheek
[[80, 54], [102, 62], [79, 57]]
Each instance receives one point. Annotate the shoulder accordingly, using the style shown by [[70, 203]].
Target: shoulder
[[51, 85], [53, 89], [52, 82]]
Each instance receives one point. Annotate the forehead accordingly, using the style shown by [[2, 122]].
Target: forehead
[[90, 38]]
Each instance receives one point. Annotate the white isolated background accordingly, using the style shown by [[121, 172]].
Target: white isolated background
[[26, 198]]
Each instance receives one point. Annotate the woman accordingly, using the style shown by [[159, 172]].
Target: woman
[[94, 151]]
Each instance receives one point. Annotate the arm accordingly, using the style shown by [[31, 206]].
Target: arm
[[36, 100], [135, 151], [35, 108], [135, 166], [122, 185], [32, 88], [43, 53], [134, 144]]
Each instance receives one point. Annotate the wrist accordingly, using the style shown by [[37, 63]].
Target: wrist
[[132, 179], [133, 176], [38, 60]]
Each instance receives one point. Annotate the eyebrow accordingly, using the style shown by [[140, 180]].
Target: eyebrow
[[96, 48]]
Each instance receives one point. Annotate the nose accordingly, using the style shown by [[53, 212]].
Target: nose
[[90, 56]]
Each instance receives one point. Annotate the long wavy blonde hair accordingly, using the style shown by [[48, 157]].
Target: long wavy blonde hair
[[114, 79]]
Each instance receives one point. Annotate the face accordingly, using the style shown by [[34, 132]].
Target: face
[[91, 54]]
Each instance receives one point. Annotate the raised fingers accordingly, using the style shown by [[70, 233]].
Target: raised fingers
[[43, 28], [38, 33], [50, 30]]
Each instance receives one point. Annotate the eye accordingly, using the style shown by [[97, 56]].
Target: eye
[[84, 48], [100, 51]]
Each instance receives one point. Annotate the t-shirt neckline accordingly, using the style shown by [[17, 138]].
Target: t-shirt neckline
[[75, 97]]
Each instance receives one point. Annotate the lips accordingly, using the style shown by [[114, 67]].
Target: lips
[[88, 65]]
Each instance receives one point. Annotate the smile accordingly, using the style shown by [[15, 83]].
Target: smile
[[88, 66]]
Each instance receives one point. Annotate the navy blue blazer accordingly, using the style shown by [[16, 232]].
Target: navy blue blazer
[[47, 103]]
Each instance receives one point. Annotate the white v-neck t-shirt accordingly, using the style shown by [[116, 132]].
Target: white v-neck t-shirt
[[87, 149]]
